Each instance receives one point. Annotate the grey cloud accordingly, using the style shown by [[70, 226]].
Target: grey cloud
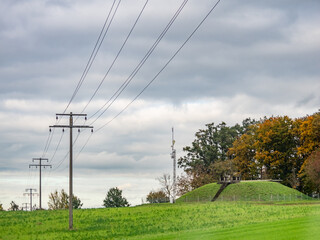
[[249, 59]]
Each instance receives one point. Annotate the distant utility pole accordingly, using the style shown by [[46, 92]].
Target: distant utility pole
[[25, 206], [40, 165], [30, 194], [71, 126], [173, 156]]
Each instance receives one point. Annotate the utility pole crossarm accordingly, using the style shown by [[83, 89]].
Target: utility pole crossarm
[[36, 165], [68, 126], [40, 165], [72, 114], [30, 194]]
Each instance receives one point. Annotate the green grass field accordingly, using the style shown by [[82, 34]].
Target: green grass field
[[217, 220]]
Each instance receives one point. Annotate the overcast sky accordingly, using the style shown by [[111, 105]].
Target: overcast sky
[[248, 59]]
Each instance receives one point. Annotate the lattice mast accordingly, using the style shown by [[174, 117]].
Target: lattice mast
[[173, 156]]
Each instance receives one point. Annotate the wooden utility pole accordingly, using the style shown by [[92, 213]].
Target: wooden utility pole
[[71, 126], [40, 165], [25, 206], [30, 194]]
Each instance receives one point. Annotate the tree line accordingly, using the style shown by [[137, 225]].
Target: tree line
[[270, 148], [60, 200]]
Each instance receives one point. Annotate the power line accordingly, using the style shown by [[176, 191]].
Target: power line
[[47, 144], [84, 145], [65, 157], [55, 151], [94, 53], [141, 63], [152, 80], [125, 84], [135, 72], [173, 56], [115, 59]]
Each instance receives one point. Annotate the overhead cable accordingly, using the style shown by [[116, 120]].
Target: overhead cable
[[173, 56], [51, 159], [93, 55], [115, 59], [95, 50], [138, 67]]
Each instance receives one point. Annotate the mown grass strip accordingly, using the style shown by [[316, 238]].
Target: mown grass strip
[[294, 229]]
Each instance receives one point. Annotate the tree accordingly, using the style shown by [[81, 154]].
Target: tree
[[224, 168], [211, 145], [13, 206], [157, 197], [58, 200], [312, 171], [270, 144], [114, 199], [276, 148], [1, 207], [243, 153], [184, 184], [166, 185], [76, 202], [308, 131], [61, 201]]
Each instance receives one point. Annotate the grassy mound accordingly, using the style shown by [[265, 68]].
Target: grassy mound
[[203, 194], [245, 191], [260, 191]]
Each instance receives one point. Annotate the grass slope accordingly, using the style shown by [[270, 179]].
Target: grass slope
[[245, 191], [217, 220], [260, 190], [201, 194]]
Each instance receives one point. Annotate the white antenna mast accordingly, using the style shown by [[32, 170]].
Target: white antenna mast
[[173, 156]]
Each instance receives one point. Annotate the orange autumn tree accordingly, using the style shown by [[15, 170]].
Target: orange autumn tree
[[281, 146], [308, 130], [243, 153], [270, 144], [276, 148]]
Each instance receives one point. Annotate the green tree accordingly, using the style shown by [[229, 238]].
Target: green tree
[[1, 207], [114, 199], [76, 202], [224, 168], [157, 197], [211, 145]]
